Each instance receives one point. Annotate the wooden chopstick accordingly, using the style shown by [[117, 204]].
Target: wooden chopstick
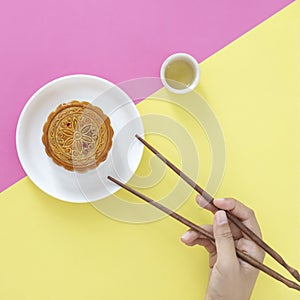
[[230, 216], [247, 258]]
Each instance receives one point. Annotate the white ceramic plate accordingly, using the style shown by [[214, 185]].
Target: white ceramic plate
[[124, 156]]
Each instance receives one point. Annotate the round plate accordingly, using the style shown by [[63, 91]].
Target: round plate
[[124, 156]]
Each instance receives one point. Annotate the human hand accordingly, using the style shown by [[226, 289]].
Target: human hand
[[230, 277]]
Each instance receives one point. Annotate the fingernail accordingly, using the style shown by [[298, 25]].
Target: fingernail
[[221, 217], [201, 201], [186, 235], [220, 199]]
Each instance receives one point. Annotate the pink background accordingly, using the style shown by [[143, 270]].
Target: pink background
[[117, 40]]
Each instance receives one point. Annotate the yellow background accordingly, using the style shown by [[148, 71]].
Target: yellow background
[[55, 250]]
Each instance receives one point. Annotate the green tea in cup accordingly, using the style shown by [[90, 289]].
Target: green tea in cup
[[180, 73]]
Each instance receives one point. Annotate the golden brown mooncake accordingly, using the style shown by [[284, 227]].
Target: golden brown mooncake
[[77, 136]]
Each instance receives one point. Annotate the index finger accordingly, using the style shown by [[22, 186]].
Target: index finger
[[241, 211]]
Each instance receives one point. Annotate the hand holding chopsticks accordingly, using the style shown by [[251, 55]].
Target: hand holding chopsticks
[[229, 276], [231, 217]]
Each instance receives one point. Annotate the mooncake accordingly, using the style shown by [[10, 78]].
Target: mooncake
[[77, 136]]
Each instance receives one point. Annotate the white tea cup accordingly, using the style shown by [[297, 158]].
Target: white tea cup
[[180, 73]]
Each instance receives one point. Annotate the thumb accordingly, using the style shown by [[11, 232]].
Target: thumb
[[224, 241]]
